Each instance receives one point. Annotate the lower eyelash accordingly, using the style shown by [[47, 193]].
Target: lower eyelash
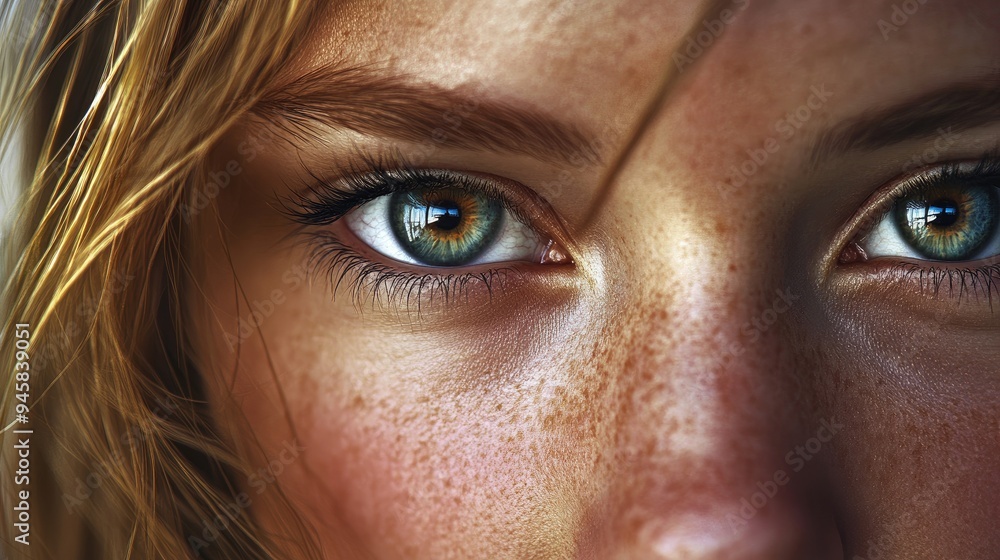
[[372, 284], [982, 282]]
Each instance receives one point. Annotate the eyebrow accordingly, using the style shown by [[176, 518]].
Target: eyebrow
[[364, 100], [952, 108]]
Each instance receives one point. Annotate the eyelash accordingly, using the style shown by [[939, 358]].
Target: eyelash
[[368, 281], [984, 280], [324, 203]]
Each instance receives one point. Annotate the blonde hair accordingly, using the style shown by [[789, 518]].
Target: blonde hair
[[121, 102]]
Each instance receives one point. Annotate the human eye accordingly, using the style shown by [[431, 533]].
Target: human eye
[[939, 225], [398, 234], [444, 221]]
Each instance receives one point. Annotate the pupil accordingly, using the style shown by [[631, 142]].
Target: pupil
[[951, 223], [942, 213], [444, 215], [444, 226]]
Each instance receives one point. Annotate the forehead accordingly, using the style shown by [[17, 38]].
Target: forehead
[[583, 56]]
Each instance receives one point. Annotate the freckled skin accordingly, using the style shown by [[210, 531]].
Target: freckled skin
[[633, 405]]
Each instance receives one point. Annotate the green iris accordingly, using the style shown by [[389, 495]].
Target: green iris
[[444, 226], [950, 222]]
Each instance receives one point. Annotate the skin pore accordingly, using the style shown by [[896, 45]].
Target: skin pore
[[641, 401]]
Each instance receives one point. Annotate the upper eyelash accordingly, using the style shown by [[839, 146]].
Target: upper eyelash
[[325, 202], [987, 168]]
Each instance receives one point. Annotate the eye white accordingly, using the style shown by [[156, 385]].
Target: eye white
[[515, 240], [885, 240]]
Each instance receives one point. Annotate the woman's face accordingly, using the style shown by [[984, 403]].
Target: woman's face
[[771, 336]]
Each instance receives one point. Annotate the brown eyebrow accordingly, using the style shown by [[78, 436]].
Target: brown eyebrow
[[953, 108], [364, 100]]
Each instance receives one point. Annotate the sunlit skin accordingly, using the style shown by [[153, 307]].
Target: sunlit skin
[[625, 405]]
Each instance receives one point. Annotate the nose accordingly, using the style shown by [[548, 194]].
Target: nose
[[718, 453], [776, 535]]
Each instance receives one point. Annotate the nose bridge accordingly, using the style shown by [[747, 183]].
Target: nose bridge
[[709, 433], [713, 314], [710, 406], [712, 305], [714, 375]]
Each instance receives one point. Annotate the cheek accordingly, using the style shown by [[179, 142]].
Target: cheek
[[412, 459], [418, 469], [918, 459], [472, 441]]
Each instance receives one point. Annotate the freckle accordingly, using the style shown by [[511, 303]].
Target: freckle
[[672, 426]]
